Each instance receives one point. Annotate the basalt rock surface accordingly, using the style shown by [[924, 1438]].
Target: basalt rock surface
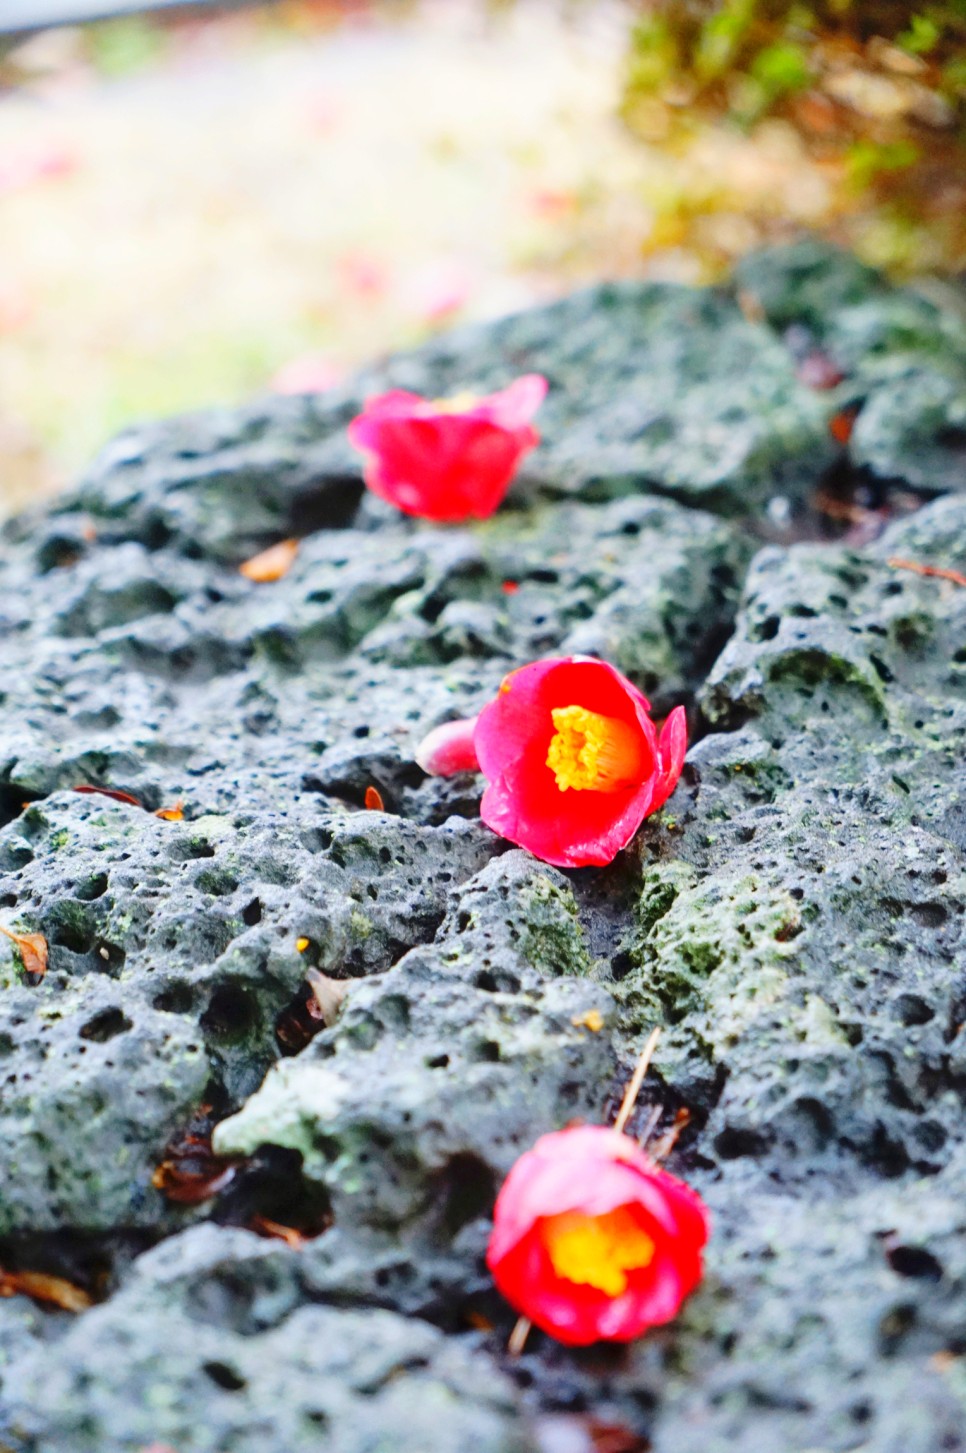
[[306, 1269]]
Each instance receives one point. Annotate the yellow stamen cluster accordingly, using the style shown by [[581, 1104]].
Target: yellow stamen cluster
[[593, 753], [597, 1251], [456, 403]]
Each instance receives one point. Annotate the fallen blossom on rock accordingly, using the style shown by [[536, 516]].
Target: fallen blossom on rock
[[271, 564], [572, 759], [592, 1241], [447, 459]]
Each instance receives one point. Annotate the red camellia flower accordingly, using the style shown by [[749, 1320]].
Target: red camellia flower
[[573, 761], [591, 1240], [447, 459]]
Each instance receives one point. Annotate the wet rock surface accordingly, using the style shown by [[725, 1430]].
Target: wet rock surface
[[793, 918]]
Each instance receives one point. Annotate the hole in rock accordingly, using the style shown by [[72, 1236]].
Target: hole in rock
[[231, 1013], [252, 913], [110, 958], [894, 1327], [58, 551], [271, 1195], [224, 1376], [106, 1025], [734, 1142], [881, 669], [928, 915], [914, 1261], [215, 882], [913, 1009], [91, 888], [73, 935], [90, 1260], [467, 1190], [621, 965], [300, 1020], [330, 503], [497, 983], [177, 998]]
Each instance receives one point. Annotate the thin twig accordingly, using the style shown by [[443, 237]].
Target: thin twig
[[662, 1147], [520, 1333], [636, 1081], [518, 1337], [650, 1125], [841, 509], [931, 570]]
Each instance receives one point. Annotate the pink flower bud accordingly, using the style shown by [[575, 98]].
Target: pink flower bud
[[448, 749]]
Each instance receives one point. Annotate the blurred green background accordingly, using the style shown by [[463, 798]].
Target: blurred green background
[[197, 206]]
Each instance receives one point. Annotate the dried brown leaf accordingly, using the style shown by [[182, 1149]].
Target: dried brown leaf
[[110, 792], [840, 425], [327, 995], [661, 1148], [190, 1183], [32, 948], [271, 564], [266, 1227], [579, 1433], [43, 1288]]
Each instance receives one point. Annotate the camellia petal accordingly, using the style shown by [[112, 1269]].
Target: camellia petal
[[449, 748], [591, 1240], [447, 459], [573, 761]]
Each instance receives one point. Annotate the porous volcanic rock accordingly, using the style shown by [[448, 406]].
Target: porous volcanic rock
[[793, 918]]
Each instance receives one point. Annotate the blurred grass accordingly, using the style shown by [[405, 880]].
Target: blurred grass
[[875, 92], [193, 208]]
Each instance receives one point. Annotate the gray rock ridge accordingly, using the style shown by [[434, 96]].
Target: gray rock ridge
[[793, 918]]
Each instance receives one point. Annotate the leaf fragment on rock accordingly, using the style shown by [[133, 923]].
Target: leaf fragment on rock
[[933, 571], [271, 564], [327, 996], [266, 1227], [840, 425], [54, 1290], [189, 1184], [661, 1148], [32, 948], [191, 1172], [111, 792]]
